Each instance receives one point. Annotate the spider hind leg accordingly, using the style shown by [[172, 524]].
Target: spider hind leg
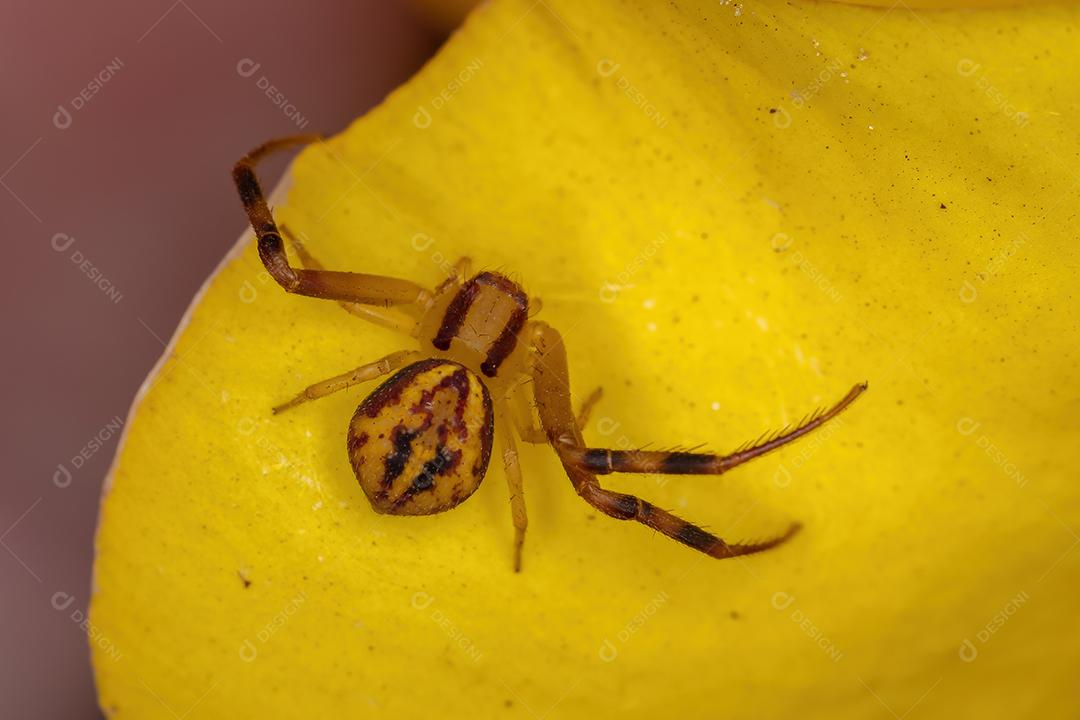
[[551, 387], [629, 507], [602, 461]]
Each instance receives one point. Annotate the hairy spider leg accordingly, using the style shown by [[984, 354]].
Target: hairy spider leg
[[370, 371], [552, 387], [603, 461], [325, 284], [514, 482], [391, 318]]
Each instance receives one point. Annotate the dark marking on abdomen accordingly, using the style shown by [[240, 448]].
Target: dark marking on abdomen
[[396, 461], [443, 463]]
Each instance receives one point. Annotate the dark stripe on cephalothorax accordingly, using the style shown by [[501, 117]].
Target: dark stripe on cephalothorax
[[507, 340], [455, 315], [458, 309], [503, 345]]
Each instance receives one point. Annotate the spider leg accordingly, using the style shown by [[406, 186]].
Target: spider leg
[[326, 284], [552, 388], [603, 461], [526, 425], [370, 371], [391, 318], [587, 407], [459, 273], [629, 507], [523, 420], [514, 482], [462, 269]]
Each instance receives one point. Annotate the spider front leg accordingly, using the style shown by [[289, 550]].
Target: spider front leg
[[327, 284], [551, 385], [603, 461], [390, 318], [370, 371]]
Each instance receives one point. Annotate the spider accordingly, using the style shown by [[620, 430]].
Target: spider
[[420, 443]]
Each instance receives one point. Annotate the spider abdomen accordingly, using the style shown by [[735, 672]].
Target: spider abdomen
[[420, 443]]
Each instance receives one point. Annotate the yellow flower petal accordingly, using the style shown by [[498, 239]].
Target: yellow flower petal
[[733, 212]]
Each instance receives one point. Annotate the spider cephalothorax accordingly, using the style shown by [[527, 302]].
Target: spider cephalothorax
[[420, 443]]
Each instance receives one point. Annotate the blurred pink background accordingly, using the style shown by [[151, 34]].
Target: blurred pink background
[[121, 122]]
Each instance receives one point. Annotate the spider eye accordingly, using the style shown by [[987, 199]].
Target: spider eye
[[420, 442]]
